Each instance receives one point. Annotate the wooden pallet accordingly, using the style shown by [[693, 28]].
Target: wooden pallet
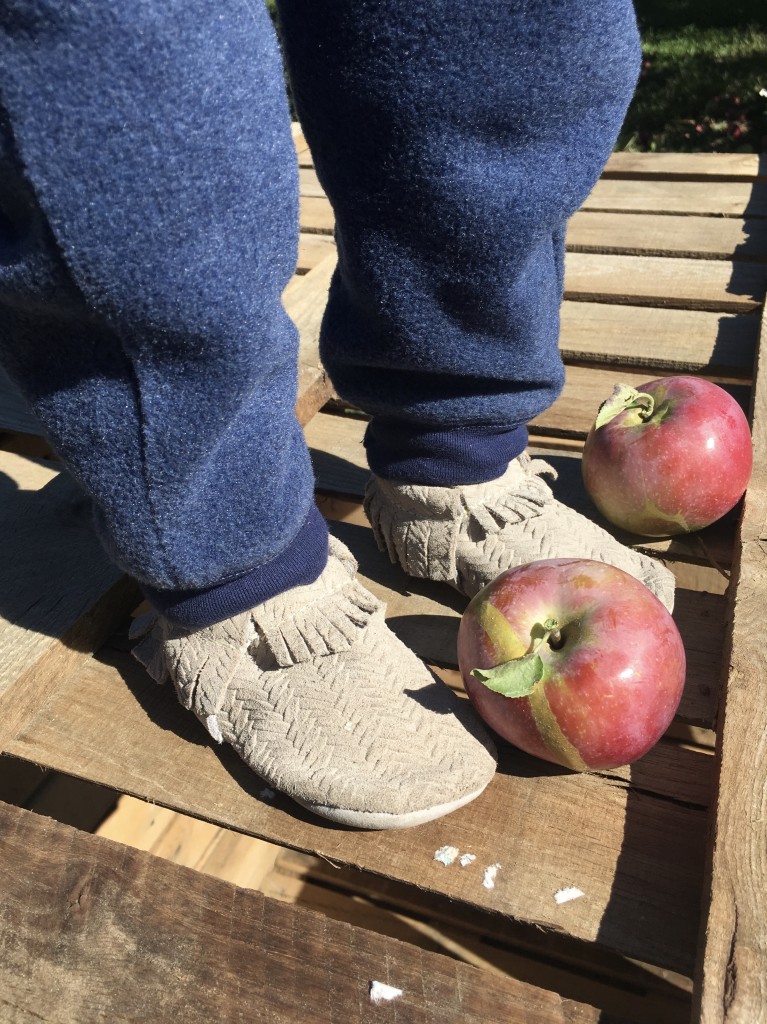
[[666, 272]]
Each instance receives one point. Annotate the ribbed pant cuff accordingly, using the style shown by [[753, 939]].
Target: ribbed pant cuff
[[419, 454], [300, 563]]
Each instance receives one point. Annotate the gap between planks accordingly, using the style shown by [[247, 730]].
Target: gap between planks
[[93, 929]]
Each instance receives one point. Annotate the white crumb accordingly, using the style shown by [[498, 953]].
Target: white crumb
[[565, 895], [380, 993], [489, 877], [467, 858], [446, 854]]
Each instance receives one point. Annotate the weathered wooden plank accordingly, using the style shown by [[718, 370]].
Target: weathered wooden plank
[[659, 340], [312, 249], [732, 967], [60, 596], [576, 970], [609, 839], [706, 198], [92, 931], [304, 300], [648, 234], [748, 167], [316, 215], [717, 285], [308, 183]]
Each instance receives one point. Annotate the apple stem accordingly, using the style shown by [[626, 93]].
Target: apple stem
[[645, 404], [551, 633], [622, 399]]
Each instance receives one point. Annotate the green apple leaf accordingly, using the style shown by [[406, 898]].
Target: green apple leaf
[[517, 678]]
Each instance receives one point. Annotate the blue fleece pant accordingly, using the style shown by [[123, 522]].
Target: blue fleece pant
[[149, 222]]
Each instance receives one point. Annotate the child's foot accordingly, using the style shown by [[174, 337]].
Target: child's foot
[[469, 534], [318, 697]]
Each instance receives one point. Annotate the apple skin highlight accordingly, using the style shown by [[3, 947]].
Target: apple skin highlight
[[607, 694], [676, 470]]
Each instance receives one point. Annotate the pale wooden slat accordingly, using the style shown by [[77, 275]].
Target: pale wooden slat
[[732, 968], [94, 931], [658, 235], [304, 300], [308, 183], [312, 249], [717, 285], [60, 595], [679, 341], [599, 834], [709, 198], [316, 215], [749, 167]]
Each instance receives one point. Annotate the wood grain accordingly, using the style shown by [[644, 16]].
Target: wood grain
[[747, 167], [94, 931], [658, 340], [60, 597], [648, 234], [732, 968], [312, 249], [716, 285], [304, 300], [706, 198]]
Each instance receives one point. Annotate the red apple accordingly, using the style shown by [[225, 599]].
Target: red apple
[[572, 660], [672, 457]]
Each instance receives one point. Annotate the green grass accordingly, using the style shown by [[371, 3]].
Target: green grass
[[705, 62]]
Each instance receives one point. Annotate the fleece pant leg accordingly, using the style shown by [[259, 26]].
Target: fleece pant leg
[[454, 140], [148, 225]]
